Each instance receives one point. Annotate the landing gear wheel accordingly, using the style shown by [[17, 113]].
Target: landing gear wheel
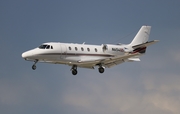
[[34, 67], [74, 71], [101, 69]]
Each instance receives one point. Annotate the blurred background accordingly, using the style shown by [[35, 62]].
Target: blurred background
[[150, 86]]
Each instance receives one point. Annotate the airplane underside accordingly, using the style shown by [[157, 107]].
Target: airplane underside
[[74, 65], [90, 63]]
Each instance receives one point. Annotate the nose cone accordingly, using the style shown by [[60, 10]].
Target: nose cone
[[31, 54], [27, 55], [24, 55]]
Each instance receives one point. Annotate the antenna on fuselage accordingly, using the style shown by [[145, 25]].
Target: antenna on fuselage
[[84, 43]]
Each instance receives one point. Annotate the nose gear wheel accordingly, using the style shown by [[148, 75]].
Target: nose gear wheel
[[34, 65]]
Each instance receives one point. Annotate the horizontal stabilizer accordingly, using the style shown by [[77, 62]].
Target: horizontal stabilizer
[[145, 44]]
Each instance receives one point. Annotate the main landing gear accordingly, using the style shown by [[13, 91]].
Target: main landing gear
[[101, 69], [74, 70], [34, 65]]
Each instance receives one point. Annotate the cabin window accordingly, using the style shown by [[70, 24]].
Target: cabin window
[[95, 50], [76, 48], [69, 48], [88, 49], [51, 47], [82, 49]]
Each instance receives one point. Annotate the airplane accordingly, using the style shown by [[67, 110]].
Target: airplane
[[90, 56]]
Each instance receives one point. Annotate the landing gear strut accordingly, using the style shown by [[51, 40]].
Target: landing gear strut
[[34, 65], [74, 69]]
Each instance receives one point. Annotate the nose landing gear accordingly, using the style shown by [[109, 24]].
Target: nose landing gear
[[34, 65]]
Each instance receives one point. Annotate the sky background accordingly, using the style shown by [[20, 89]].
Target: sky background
[[151, 86]]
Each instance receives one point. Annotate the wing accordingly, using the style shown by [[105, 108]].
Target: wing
[[118, 60], [108, 62]]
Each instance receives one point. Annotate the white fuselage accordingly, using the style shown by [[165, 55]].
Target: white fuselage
[[88, 56], [68, 53]]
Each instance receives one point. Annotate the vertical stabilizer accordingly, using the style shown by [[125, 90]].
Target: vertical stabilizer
[[142, 36]]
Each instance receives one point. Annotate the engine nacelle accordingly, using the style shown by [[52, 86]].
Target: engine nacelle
[[116, 48]]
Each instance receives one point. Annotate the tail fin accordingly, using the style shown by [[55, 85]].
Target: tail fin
[[142, 36]]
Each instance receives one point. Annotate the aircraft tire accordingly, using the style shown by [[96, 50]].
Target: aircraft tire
[[34, 67], [74, 71], [101, 70]]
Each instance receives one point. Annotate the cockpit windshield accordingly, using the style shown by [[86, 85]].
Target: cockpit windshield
[[42, 46]]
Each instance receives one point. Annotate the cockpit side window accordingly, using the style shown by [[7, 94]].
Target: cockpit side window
[[42, 46], [48, 46], [51, 47]]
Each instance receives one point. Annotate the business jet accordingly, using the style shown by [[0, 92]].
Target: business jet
[[89, 56]]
